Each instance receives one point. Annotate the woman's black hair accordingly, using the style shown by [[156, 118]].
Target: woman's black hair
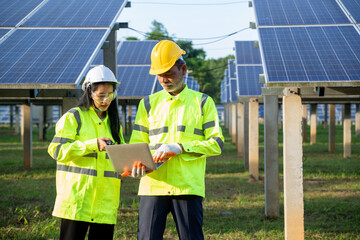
[[112, 111]]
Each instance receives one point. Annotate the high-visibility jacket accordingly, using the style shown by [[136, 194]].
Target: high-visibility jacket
[[191, 119], [87, 187]]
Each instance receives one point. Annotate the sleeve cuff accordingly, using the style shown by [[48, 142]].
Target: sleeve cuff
[[92, 145], [187, 146]]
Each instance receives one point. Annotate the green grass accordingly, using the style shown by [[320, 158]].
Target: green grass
[[233, 206]]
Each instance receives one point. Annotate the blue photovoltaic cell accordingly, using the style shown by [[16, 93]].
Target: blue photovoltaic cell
[[248, 80], [233, 90], [303, 54], [353, 6], [76, 13], [99, 59], [135, 81], [135, 52], [294, 12], [231, 68], [47, 55], [13, 11], [246, 53], [3, 31]]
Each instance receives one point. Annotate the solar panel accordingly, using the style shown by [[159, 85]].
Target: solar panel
[[233, 90], [246, 53], [135, 52], [248, 68], [231, 68], [248, 80], [3, 31], [308, 54], [298, 12], [12, 12], [76, 13], [135, 81], [47, 56], [353, 6], [223, 92]]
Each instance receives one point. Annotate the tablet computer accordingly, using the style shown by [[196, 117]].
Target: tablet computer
[[123, 156]]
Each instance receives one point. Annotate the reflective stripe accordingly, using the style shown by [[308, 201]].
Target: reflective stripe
[[181, 128], [141, 128], [61, 140], [219, 141], [198, 132], [208, 125], [85, 171], [147, 104], [78, 119], [107, 156], [158, 131], [112, 174], [93, 155], [203, 100], [56, 154]]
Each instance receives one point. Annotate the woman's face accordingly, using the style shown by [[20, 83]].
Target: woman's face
[[102, 96]]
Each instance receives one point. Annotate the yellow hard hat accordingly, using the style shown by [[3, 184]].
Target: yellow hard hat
[[163, 56]]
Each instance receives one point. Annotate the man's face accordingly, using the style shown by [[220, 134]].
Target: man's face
[[172, 80]]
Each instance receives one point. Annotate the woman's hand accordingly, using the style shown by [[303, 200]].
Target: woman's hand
[[102, 143]]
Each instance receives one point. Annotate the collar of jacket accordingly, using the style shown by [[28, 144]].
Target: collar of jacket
[[181, 96], [95, 117]]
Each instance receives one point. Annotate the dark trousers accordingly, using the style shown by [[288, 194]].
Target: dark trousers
[[71, 229], [186, 210]]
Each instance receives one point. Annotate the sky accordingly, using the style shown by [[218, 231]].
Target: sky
[[193, 20]]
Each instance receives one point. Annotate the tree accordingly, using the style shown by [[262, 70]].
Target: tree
[[158, 32], [132, 39]]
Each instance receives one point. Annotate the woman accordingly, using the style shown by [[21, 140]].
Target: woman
[[88, 189]]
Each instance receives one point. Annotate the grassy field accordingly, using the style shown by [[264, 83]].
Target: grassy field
[[233, 207]]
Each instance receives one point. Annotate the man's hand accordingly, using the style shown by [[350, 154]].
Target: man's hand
[[138, 170], [166, 151]]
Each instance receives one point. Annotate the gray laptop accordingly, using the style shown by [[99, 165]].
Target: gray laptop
[[124, 155]]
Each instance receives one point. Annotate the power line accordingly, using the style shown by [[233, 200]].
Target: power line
[[218, 38], [190, 4]]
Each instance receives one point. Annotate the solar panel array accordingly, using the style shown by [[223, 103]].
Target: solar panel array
[[309, 41], [133, 61], [248, 68], [51, 43]]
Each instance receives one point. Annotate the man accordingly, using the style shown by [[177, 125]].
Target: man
[[182, 128]]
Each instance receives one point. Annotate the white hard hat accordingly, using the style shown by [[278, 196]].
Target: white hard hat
[[97, 75]]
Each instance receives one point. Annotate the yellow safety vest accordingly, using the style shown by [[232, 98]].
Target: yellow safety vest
[[87, 187], [191, 119]]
